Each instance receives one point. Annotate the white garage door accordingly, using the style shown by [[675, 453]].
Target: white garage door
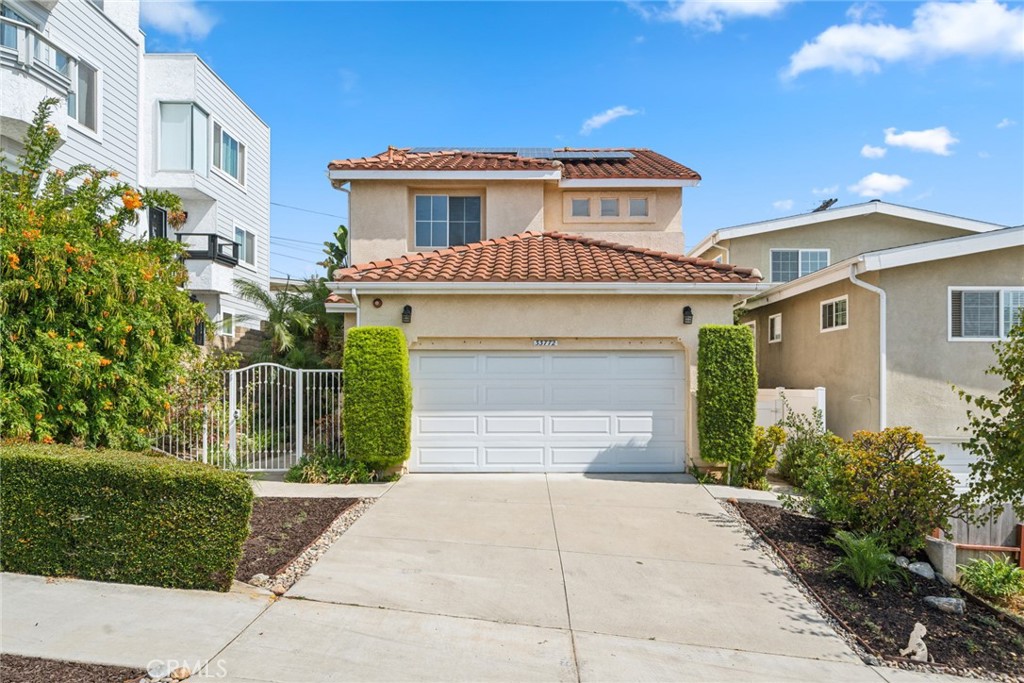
[[548, 411]]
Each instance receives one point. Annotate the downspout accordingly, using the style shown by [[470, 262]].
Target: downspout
[[882, 374], [355, 300]]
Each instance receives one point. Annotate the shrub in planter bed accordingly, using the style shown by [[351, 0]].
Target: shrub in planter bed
[[377, 411], [865, 559], [807, 440], [120, 516], [992, 578], [726, 394]]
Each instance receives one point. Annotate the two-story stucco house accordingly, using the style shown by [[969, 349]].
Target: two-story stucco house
[[162, 121], [551, 322], [887, 307]]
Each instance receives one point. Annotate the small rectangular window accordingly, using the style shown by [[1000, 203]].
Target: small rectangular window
[[775, 328], [246, 246], [638, 206], [9, 32], [835, 314], [228, 154], [984, 314], [610, 207], [83, 104], [581, 208], [227, 324]]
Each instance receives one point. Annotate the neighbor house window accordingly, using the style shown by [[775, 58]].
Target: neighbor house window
[[83, 101], [183, 137], [638, 206], [246, 246], [610, 207], [775, 328], [445, 221], [581, 208], [984, 313], [835, 314], [9, 32], [228, 153], [789, 264], [227, 324]]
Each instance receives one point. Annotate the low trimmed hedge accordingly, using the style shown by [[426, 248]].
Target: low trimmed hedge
[[120, 516], [377, 411], [726, 393]]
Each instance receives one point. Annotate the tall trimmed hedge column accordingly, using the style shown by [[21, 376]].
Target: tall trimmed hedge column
[[726, 393], [377, 410]]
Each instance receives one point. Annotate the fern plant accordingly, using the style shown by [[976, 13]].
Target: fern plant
[[992, 578], [865, 559]]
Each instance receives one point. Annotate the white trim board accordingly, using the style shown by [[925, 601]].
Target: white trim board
[[347, 175]]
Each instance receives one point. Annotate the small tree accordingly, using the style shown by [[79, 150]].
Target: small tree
[[336, 252], [93, 327], [286, 321], [726, 394], [996, 425]]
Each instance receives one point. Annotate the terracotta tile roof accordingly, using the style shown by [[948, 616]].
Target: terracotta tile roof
[[546, 257], [644, 164], [335, 298]]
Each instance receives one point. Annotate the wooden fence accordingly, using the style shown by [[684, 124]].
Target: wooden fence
[[995, 536]]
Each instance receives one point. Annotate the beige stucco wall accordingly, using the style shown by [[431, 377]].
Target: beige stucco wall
[[592, 322], [923, 363], [664, 230], [844, 238], [845, 361]]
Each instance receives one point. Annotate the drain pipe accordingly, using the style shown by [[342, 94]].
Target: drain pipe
[[882, 374], [355, 300]]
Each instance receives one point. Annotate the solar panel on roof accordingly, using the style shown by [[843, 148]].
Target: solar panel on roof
[[479, 150], [532, 152]]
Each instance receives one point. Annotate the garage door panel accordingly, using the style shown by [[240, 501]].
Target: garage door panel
[[449, 457], [513, 365], [511, 396], [580, 396], [446, 365], [635, 425], [646, 396], [440, 426], [580, 456], [652, 366], [567, 425], [450, 396], [496, 425], [596, 365], [514, 457]]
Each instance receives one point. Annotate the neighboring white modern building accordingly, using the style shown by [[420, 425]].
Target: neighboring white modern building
[[163, 121]]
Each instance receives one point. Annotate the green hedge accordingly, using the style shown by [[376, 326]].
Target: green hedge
[[726, 393], [377, 411], [120, 516]]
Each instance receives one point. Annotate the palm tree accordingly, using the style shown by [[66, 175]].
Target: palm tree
[[287, 317]]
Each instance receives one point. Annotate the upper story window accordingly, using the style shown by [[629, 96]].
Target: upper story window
[[447, 221], [580, 207], [609, 206], [83, 100], [184, 137], [984, 313], [638, 207], [246, 246], [789, 264], [605, 207], [228, 154], [835, 314], [9, 32]]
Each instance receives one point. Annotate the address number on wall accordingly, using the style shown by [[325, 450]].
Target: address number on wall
[[545, 342]]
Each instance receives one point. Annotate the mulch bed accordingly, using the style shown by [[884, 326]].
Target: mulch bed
[[18, 669], [981, 639], [281, 528]]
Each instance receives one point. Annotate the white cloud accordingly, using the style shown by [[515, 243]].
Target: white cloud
[[1006, 123], [825, 191], [878, 184], [872, 152], [865, 11], [939, 30], [604, 118], [783, 205], [934, 140], [181, 18], [711, 15]]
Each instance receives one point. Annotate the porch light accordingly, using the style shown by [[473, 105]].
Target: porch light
[[687, 315], [407, 314]]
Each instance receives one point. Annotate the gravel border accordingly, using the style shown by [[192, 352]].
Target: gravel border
[[871, 660], [286, 578]]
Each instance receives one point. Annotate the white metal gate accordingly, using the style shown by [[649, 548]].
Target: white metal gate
[[262, 417]]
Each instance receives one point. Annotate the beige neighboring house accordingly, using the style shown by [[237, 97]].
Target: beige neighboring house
[[889, 332], [551, 320]]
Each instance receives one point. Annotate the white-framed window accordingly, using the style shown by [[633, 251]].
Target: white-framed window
[[984, 313], [774, 328], [581, 207], [184, 137], [9, 32], [609, 207], [246, 246], [83, 100], [447, 220], [835, 314], [228, 153], [638, 207], [227, 324], [789, 264]]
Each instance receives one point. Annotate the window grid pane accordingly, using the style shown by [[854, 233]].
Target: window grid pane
[[981, 314], [1013, 309], [609, 207], [785, 265], [581, 208], [175, 136], [638, 207], [812, 261], [841, 315]]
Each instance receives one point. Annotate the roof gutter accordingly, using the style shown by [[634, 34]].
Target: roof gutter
[[882, 370], [744, 289]]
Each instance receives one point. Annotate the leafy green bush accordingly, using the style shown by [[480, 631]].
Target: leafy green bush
[[865, 559], [326, 467], [120, 516], [726, 394], [806, 441], [377, 409], [93, 327], [753, 475], [992, 578]]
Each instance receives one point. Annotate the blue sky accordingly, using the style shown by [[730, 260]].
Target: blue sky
[[777, 105]]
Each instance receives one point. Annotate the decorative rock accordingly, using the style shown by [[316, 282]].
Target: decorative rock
[[158, 670], [902, 562], [259, 579], [181, 673], [922, 569], [947, 605], [278, 589]]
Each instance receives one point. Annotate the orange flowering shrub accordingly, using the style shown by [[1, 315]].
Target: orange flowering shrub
[[71, 291]]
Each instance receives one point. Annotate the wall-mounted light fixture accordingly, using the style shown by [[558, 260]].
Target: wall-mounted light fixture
[[377, 303], [407, 314], [687, 315]]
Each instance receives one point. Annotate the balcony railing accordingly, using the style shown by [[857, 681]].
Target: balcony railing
[[27, 48], [208, 247]]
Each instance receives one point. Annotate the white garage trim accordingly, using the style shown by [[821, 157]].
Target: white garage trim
[[548, 411]]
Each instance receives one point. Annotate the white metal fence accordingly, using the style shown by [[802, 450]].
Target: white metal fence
[[263, 417], [771, 406]]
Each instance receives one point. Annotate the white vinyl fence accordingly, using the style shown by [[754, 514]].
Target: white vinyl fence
[[263, 417], [771, 407]]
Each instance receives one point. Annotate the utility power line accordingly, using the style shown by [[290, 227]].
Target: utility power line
[[299, 208]]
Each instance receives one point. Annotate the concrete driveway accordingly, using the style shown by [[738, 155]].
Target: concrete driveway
[[543, 577]]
